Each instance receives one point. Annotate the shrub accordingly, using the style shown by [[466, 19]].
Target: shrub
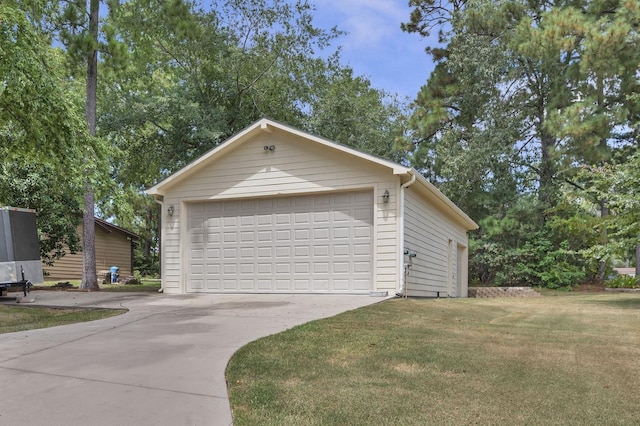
[[624, 281]]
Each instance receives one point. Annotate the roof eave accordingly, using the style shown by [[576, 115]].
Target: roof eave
[[461, 216], [195, 165], [265, 125]]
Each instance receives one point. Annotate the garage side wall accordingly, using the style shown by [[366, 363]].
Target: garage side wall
[[440, 247], [294, 166]]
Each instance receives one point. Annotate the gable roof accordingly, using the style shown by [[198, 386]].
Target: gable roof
[[267, 125], [110, 227]]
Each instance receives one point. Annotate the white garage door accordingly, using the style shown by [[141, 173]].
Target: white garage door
[[306, 244]]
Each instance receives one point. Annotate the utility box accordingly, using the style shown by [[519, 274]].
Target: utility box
[[19, 246]]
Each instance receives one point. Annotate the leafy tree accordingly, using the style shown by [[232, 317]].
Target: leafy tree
[[28, 184], [76, 24], [517, 250], [38, 115], [522, 90], [196, 77], [620, 185], [41, 129], [346, 109]]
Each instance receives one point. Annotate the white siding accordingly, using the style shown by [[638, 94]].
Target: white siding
[[440, 247], [295, 166]]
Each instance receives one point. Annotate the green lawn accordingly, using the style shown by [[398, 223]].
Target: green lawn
[[571, 359], [20, 318]]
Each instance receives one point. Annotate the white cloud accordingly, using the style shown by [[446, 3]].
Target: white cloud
[[367, 22], [375, 46]]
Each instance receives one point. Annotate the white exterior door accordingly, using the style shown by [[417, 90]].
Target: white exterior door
[[307, 244]]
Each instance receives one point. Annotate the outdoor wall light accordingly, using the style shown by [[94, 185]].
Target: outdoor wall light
[[171, 210], [385, 196]]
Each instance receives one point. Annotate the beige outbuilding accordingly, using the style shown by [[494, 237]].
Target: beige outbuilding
[[277, 210]]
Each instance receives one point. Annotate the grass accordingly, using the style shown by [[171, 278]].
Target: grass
[[148, 285], [20, 318], [571, 359]]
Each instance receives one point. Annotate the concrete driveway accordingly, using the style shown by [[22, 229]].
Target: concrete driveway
[[162, 363]]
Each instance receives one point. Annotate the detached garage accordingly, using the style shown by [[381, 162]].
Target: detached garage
[[277, 210]]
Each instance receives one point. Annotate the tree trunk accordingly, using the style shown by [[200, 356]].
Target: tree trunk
[[159, 251], [89, 275], [602, 266], [546, 191], [147, 241], [638, 258]]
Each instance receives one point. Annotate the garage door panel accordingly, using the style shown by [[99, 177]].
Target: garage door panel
[[341, 250], [265, 285], [283, 235], [341, 284], [283, 285], [321, 234], [301, 235], [340, 232], [264, 220], [213, 238], [248, 205], [247, 253], [321, 285], [283, 218], [229, 269], [265, 236], [265, 268], [340, 216], [197, 254], [361, 285], [361, 267], [283, 252], [362, 250], [247, 268], [247, 285], [247, 221], [283, 268], [230, 207], [213, 284], [302, 285], [300, 251], [196, 239], [247, 237], [320, 251], [316, 243], [209, 208], [320, 268], [362, 232], [320, 217], [341, 199], [230, 221], [302, 218]]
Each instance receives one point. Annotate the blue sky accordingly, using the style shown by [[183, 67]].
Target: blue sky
[[375, 46]]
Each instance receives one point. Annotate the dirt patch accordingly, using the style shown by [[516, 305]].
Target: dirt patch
[[591, 287]]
